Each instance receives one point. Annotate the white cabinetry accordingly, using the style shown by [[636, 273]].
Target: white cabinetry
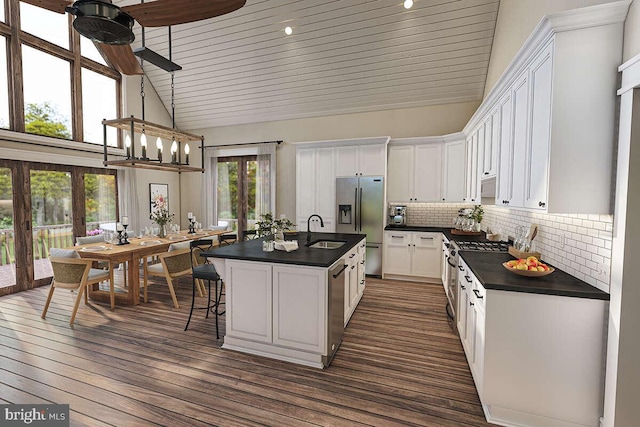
[[315, 186], [361, 160], [553, 361], [415, 172], [354, 280], [472, 179], [557, 144], [490, 145], [454, 171], [412, 255]]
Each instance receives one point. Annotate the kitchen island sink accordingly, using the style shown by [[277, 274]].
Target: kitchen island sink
[[326, 244]]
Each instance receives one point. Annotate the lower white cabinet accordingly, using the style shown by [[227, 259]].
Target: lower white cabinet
[[354, 278], [411, 255], [537, 360]]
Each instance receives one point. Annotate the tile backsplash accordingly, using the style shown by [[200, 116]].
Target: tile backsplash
[[578, 244]]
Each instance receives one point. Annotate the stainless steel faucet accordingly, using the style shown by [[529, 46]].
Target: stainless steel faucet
[[309, 223]]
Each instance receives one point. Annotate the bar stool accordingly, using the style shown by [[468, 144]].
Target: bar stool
[[227, 239], [205, 271]]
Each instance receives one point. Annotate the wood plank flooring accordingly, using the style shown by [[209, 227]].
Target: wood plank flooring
[[399, 365]]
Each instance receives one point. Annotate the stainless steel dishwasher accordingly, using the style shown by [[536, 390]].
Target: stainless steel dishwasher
[[335, 312]]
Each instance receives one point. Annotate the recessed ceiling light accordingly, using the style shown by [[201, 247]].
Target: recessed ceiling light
[[408, 4], [288, 31]]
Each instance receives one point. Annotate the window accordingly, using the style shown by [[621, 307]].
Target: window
[[55, 63], [100, 200], [4, 85], [99, 102], [7, 247], [47, 25], [47, 107], [51, 216]]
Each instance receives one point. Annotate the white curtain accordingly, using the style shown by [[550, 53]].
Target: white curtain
[[128, 197], [265, 179], [210, 184]]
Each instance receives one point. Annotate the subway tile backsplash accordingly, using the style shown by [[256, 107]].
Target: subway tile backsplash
[[578, 244]]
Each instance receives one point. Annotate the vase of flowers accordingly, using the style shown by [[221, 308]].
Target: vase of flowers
[[476, 215], [161, 216]]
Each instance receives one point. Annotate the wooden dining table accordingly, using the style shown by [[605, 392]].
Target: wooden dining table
[[131, 254]]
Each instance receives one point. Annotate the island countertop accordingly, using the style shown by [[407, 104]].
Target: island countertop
[[251, 250]]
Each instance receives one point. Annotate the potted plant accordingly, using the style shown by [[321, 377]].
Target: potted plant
[[477, 214], [268, 226]]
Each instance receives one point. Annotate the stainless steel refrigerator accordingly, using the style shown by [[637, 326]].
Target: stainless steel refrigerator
[[360, 209]]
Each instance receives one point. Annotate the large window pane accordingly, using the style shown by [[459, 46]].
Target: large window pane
[[228, 194], [7, 248], [2, 18], [4, 85], [98, 102], [89, 50], [49, 26], [47, 105], [100, 201], [51, 216]]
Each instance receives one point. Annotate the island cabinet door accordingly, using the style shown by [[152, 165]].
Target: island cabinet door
[[248, 287], [300, 308]]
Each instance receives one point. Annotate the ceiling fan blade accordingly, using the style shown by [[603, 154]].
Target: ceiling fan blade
[[162, 13], [52, 5], [121, 57]]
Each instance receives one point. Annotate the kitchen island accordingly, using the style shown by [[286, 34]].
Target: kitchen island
[[284, 305]]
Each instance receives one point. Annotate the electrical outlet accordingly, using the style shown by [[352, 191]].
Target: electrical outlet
[[562, 239], [604, 271]]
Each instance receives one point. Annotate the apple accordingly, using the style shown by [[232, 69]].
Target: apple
[[533, 268], [532, 258], [522, 266], [540, 268], [532, 262], [512, 263]]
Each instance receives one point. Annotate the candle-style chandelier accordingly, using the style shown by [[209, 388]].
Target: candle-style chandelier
[[132, 126]]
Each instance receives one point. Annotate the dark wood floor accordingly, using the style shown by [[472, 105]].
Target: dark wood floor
[[399, 365]]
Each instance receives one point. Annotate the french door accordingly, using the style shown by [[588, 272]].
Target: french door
[[43, 206], [236, 192]]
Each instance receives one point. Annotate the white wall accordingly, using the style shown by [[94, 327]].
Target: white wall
[[516, 21], [410, 122]]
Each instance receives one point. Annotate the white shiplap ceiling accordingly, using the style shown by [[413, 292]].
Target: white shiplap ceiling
[[344, 56]]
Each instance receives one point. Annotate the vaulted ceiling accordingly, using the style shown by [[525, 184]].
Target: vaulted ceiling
[[344, 56]]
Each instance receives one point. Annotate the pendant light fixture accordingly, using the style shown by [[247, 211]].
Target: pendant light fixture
[[145, 128]]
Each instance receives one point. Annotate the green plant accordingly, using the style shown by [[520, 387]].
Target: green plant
[[268, 226], [477, 213]]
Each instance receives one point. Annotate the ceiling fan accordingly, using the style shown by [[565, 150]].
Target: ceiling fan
[[111, 26]]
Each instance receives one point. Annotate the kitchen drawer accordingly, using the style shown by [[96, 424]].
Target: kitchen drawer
[[427, 240], [397, 238]]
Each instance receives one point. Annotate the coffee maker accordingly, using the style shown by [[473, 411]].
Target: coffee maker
[[398, 215]]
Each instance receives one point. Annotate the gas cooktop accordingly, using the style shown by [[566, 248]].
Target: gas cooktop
[[482, 246]]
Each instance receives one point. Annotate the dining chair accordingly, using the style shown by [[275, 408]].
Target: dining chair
[[250, 234], [174, 263], [75, 273], [202, 270], [227, 239]]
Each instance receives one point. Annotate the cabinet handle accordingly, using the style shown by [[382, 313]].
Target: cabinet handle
[[398, 237], [477, 292], [344, 267], [486, 173], [352, 255], [461, 268], [426, 238], [541, 204], [362, 282], [463, 287], [443, 200], [471, 304], [467, 279], [353, 266], [473, 200]]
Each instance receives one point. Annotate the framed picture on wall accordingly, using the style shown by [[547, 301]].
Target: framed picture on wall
[[158, 197]]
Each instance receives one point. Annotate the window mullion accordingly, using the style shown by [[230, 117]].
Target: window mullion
[[76, 86], [14, 65]]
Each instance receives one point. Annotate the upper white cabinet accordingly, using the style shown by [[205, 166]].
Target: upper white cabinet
[[472, 179], [361, 160], [453, 188], [315, 182], [553, 113], [415, 172]]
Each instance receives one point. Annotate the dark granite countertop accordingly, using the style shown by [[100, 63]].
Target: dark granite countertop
[[444, 230], [251, 250], [488, 269]]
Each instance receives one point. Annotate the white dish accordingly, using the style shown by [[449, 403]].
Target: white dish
[[177, 237], [150, 242], [94, 248]]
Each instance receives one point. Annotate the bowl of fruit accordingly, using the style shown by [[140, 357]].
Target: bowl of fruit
[[530, 267]]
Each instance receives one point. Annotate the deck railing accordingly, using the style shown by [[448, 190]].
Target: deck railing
[[44, 238]]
